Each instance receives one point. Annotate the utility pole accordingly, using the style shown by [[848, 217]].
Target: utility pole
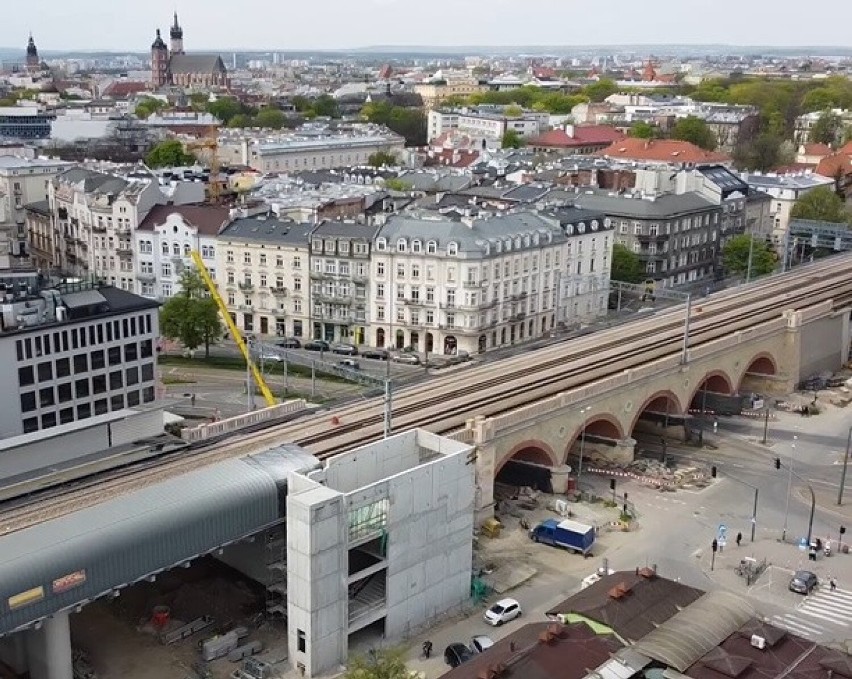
[[583, 412], [845, 465], [685, 357], [750, 255], [789, 488]]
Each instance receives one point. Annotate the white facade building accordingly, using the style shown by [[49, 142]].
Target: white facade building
[[263, 275], [442, 286], [487, 123], [164, 243], [96, 216]]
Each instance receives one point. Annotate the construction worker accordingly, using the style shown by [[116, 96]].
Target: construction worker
[[427, 648], [739, 539]]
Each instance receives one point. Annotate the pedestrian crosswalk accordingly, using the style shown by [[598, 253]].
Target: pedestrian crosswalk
[[823, 613]]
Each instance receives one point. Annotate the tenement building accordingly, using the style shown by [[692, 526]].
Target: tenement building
[[445, 286]]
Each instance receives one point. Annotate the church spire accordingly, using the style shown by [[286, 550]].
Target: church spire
[[176, 35]]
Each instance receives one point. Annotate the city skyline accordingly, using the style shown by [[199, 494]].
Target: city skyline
[[92, 25]]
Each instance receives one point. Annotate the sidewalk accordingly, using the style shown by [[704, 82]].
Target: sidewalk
[[826, 502]]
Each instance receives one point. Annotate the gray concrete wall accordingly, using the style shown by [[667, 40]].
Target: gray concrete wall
[[372, 463], [317, 563], [252, 558], [430, 542], [822, 345]]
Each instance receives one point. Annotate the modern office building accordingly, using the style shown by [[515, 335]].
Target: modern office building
[[25, 122], [69, 352], [379, 537]]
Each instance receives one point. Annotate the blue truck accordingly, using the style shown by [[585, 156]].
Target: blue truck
[[568, 534]]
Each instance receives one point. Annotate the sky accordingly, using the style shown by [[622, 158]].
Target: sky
[[344, 24]]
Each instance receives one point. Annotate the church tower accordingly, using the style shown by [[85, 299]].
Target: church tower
[[33, 64], [159, 62], [176, 35]]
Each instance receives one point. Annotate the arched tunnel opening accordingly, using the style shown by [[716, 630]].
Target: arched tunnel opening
[[715, 396], [659, 421], [594, 441], [529, 467], [759, 375]]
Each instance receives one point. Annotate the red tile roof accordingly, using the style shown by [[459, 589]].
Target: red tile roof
[[208, 219], [662, 151], [846, 149], [583, 135], [834, 165], [125, 88], [817, 150]]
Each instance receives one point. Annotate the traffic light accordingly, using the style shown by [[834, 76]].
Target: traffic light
[[842, 530], [715, 545], [713, 472], [777, 463]]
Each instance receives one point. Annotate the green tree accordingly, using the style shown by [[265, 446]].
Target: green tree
[[626, 265], [383, 663], [512, 140], [191, 316], [198, 101], [326, 106], [225, 108], [696, 131], [169, 153], [381, 159], [819, 99], [643, 130], [826, 129], [821, 204], [271, 118], [600, 90], [149, 106], [513, 111], [761, 154], [396, 184], [740, 249], [408, 123], [241, 120]]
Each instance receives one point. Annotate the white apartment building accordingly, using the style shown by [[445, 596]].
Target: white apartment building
[[96, 216], [263, 275], [486, 123], [164, 243], [784, 190], [23, 181], [340, 273], [446, 286], [295, 153]]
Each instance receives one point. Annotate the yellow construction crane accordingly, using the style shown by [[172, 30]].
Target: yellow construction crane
[[235, 333], [210, 144]]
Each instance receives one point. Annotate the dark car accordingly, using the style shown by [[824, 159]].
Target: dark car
[[345, 349], [377, 354], [290, 343], [457, 654], [317, 345], [803, 582]]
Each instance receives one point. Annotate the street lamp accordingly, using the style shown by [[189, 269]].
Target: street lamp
[[789, 488], [583, 412], [845, 465]]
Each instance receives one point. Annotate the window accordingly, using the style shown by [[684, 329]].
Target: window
[[26, 376], [48, 420], [81, 362], [147, 394], [131, 376], [381, 244], [247, 258], [28, 401], [132, 399], [98, 360], [45, 371], [452, 249], [84, 411], [147, 372], [64, 392], [165, 249], [66, 415], [401, 245], [81, 388], [431, 247], [301, 641], [30, 425], [263, 259], [114, 355], [99, 384], [417, 246], [176, 249], [380, 269], [131, 352], [167, 270], [46, 397], [101, 406], [115, 380]]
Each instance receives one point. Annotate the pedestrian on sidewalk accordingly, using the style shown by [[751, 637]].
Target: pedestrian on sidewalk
[[739, 539], [715, 425], [427, 648], [832, 584]]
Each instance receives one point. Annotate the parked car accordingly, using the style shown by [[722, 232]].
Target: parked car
[[409, 359], [290, 343], [377, 354], [456, 654], [345, 349], [503, 611], [803, 582], [480, 643], [317, 345], [350, 363], [268, 357]]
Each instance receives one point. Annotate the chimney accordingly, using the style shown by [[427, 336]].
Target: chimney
[[569, 130]]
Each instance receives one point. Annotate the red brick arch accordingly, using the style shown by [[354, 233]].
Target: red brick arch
[[657, 402], [763, 363], [717, 381], [531, 450], [601, 424]]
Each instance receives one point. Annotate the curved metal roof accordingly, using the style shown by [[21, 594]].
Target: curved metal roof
[[81, 556]]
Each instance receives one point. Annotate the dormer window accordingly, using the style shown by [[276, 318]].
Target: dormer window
[[431, 247], [526, 241], [381, 244], [452, 249], [417, 246], [594, 225], [401, 245]]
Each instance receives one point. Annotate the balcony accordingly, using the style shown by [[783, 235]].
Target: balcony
[[360, 280], [147, 277], [246, 286], [98, 228], [334, 299], [124, 251], [412, 302], [514, 318], [318, 275], [473, 285], [517, 296], [648, 238], [278, 292]]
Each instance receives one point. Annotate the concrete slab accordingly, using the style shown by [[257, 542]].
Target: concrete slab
[[507, 577]]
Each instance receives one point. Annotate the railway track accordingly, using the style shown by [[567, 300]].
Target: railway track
[[443, 404]]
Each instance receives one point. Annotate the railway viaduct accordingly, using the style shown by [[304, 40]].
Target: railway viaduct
[[769, 359]]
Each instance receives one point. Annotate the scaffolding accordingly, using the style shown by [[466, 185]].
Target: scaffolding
[[275, 546]]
